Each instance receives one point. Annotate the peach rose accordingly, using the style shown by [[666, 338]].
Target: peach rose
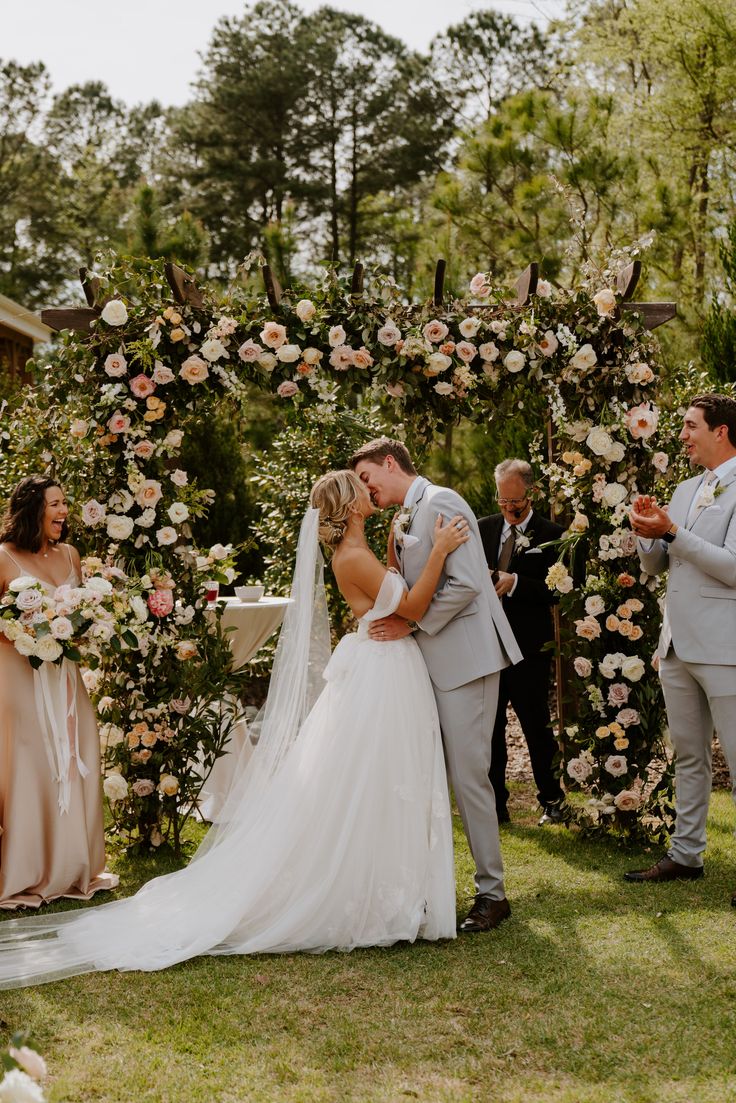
[[142, 386], [194, 370]]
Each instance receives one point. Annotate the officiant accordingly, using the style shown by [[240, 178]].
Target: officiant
[[512, 540]]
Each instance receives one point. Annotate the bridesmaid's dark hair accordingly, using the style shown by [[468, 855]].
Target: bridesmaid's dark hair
[[22, 524]]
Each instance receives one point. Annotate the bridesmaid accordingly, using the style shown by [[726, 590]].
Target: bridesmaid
[[51, 830]]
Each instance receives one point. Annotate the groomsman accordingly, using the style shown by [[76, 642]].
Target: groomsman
[[695, 541], [511, 542], [465, 640]]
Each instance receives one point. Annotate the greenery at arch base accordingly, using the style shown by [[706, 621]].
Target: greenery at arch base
[[115, 408]]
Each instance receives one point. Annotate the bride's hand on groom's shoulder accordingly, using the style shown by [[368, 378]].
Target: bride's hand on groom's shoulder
[[448, 537]]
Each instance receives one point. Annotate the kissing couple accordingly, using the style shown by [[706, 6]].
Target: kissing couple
[[336, 832]]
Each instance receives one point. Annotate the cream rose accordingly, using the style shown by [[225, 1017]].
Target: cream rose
[[583, 667], [578, 769], [632, 668], [584, 358], [548, 344], [642, 421], [213, 350], [249, 351], [469, 327], [287, 354], [166, 535], [305, 310], [118, 423], [336, 336], [598, 440], [185, 649], [114, 313], [605, 302], [613, 494], [437, 362], [628, 800], [119, 527], [48, 649], [480, 286], [168, 785], [661, 461], [488, 352], [435, 331], [467, 351], [514, 361], [312, 356], [267, 361], [148, 493], [178, 512], [161, 374], [616, 765], [78, 428], [594, 605], [193, 370]]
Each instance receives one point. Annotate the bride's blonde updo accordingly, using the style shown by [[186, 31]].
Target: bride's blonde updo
[[333, 495]]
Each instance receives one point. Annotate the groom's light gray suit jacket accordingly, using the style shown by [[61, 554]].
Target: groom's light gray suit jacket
[[464, 634], [701, 584]]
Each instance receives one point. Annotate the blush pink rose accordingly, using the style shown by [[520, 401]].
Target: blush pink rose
[[287, 389], [161, 602], [618, 694], [142, 386]]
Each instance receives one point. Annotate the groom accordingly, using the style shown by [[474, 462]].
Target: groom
[[465, 639]]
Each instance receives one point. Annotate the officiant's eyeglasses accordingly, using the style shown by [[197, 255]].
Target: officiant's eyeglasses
[[512, 501]]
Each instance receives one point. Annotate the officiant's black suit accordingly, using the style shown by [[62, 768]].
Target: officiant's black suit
[[526, 685]]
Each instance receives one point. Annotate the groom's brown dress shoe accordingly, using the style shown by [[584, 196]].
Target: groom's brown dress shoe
[[666, 870], [485, 914]]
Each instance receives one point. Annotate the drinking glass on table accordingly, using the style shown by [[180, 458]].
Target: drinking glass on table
[[211, 591]]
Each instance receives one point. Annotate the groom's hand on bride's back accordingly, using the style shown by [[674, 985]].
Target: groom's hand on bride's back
[[389, 628]]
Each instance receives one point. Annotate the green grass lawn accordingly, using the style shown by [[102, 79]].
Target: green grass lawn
[[595, 991]]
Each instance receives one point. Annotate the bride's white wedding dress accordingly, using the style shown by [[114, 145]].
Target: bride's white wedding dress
[[337, 832]]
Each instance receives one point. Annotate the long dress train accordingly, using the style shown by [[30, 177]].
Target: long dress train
[[345, 842]]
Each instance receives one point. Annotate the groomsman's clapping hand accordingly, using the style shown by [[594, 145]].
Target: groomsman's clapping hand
[[647, 519]]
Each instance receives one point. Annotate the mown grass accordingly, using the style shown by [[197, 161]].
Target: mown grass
[[594, 990]]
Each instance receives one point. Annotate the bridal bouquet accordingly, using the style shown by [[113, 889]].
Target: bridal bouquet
[[73, 622]]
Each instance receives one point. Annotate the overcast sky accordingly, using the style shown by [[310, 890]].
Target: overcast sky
[[148, 49]]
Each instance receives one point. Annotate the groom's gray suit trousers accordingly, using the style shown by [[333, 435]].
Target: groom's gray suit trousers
[[699, 697], [466, 717]]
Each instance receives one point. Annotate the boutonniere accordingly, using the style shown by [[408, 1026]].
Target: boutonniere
[[401, 524], [522, 542], [708, 495]]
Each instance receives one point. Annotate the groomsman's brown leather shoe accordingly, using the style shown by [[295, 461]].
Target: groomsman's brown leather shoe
[[666, 870], [485, 915]]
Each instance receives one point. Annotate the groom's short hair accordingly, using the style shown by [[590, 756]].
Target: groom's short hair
[[718, 409], [375, 451]]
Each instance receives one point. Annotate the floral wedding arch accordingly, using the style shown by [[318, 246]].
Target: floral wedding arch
[[152, 353]]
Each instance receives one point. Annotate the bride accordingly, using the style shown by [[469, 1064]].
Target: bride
[[336, 832]]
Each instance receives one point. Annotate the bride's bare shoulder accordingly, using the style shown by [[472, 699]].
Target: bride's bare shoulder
[[352, 560]]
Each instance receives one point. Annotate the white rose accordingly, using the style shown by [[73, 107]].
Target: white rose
[[173, 438], [584, 358], [24, 644], [268, 361], [488, 352], [548, 344], [62, 628], [78, 428], [112, 735], [599, 441], [213, 349], [146, 519], [544, 289], [514, 361], [632, 668], [48, 649], [287, 354], [178, 512], [139, 607], [444, 388], [605, 302], [661, 461], [594, 605], [579, 769], [167, 535], [22, 582], [438, 362], [249, 351], [18, 1087], [615, 453], [305, 310], [119, 527], [115, 788], [148, 493], [179, 477], [469, 327], [114, 313], [336, 336], [219, 551], [613, 494], [99, 585]]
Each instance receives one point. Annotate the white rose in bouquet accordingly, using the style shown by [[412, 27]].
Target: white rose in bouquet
[[25, 644], [27, 600], [48, 649], [18, 1087], [22, 582]]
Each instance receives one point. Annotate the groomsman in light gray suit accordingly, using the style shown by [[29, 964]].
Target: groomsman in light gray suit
[[695, 540], [465, 639]]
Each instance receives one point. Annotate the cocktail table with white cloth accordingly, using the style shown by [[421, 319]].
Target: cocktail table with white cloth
[[252, 622]]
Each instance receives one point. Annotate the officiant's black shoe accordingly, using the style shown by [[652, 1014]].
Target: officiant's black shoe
[[485, 915], [502, 814], [666, 870], [554, 813]]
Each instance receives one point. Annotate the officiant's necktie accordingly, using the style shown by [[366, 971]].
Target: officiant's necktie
[[700, 501], [507, 549]]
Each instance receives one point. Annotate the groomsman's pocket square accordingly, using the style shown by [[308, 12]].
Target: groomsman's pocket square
[[409, 541], [533, 551]]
